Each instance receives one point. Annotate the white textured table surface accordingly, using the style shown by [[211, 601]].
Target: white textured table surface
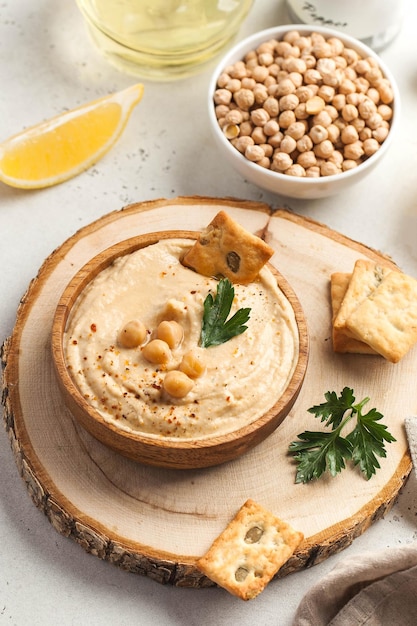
[[47, 65]]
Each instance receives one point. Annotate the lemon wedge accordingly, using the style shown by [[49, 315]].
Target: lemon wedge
[[66, 145]]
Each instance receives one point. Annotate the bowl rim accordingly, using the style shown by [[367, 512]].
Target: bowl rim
[[91, 416], [252, 41]]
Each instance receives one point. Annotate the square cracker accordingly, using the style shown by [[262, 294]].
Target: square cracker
[[366, 277], [387, 319], [250, 551], [225, 248], [342, 343]]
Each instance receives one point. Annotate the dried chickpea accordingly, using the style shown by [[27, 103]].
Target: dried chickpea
[[358, 123], [234, 116], [296, 78], [385, 112], [271, 128], [313, 172], [323, 149], [337, 45], [333, 133], [271, 106], [265, 162], [370, 146], [157, 352], [286, 118], [246, 129], [259, 73], [288, 103], [318, 133], [329, 169], [238, 70], [133, 334], [353, 150], [304, 93], [221, 110], [231, 131], [339, 101], [307, 159], [267, 148], [295, 170], [288, 144], [296, 130], [347, 86], [261, 93], [312, 77], [349, 112], [366, 133], [248, 83], [380, 133], [258, 135], [284, 87], [349, 134], [171, 332], [222, 96], [254, 153], [314, 105], [326, 92], [259, 117], [241, 143], [177, 384], [281, 161], [244, 98], [304, 144], [349, 164], [336, 157], [275, 140], [193, 363], [322, 119], [373, 94], [233, 85]]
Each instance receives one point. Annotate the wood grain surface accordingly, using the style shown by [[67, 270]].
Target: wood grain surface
[[157, 521]]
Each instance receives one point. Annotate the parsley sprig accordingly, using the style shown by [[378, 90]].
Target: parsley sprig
[[317, 452], [216, 328]]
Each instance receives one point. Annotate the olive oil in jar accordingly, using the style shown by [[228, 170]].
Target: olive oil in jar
[[162, 39]]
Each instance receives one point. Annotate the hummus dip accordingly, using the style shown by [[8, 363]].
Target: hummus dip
[[244, 377]]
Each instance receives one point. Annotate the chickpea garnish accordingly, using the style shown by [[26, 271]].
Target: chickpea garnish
[[171, 332], [157, 352], [177, 384], [133, 334], [193, 364]]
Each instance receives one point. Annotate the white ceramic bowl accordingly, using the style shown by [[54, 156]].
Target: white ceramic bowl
[[283, 184]]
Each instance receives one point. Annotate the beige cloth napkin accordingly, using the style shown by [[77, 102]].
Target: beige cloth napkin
[[374, 589]]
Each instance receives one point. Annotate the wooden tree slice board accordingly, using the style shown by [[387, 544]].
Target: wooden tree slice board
[[156, 521]]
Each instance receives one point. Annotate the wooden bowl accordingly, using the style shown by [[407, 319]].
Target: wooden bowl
[[163, 452]]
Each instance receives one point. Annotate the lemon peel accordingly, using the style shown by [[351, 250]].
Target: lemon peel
[[66, 145]]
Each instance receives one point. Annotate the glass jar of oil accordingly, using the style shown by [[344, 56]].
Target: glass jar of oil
[[163, 39]]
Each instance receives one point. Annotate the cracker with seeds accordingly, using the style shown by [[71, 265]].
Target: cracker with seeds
[[250, 551], [342, 343], [224, 248], [366, 277], [387, 319]]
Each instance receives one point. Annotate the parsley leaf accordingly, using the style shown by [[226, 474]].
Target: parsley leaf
[[317, 452], [216, 328]]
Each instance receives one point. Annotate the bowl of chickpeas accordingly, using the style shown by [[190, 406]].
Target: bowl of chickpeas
[[132, 371], [303, 112]]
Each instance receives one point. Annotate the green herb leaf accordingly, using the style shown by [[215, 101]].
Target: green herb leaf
[[318, 452], [216, 328], [333, 410], [367, 440]]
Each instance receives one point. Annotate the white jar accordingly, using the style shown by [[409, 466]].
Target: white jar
[[375, 22]]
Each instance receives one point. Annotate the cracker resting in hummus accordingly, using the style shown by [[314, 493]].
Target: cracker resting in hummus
[[244, 377]]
